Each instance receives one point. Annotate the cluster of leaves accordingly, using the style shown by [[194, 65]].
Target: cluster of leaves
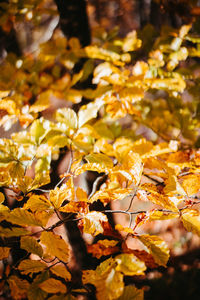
[[159, 93]]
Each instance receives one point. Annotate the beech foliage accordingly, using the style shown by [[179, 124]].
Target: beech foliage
[[157, 91]]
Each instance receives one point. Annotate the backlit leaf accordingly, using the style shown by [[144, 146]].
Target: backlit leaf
[[129, 264], [157, 247], [191, 220], [55, 245], [88, 112], [92, 222], [21, 216], [132, 293]]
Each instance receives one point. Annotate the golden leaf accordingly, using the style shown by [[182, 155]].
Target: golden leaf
[[2, 197], [31, 245], [61, 271], [59, 195], [130, 265], [191, 220], [103, 248], [172, 186], [67, 116], [29, 266], [108, 282], [88, 112], [37, 203], [92, 222], [157, 248], [18, 287], [191, 184], [52, 285], [108, 195], [101, 159], [132, 293], [14, 231], [160, 199], [55, 245], [4, 252], [23, 217]]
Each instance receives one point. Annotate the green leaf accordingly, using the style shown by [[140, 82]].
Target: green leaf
[[31, 245]]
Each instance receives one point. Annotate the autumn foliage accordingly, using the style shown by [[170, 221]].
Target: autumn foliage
[[135, 127]]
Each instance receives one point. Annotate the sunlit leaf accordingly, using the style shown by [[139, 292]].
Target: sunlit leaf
[[191, 220], [132, 293], [129, 265], [92, 222], [157, 247]]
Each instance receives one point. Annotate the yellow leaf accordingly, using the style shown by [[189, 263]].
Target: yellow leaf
[[18, 287], [108, 195], [132, 293], [55, 245], [59, 195], [4, 252], [133, 164], [42, 102], [29, 266], [191, 184], [92, 222], [157, 248], [2, 198], [14, 231], [61, 271], [52, 285], [130, 265], [31, 245], [103, 248], [37, 203], [131, 42], [108, 282], [191, 220], [172, 186], [102, 145], [9, 106], [67, 116], [160, 199], [88, 112], [90, 167], [23, 217]]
